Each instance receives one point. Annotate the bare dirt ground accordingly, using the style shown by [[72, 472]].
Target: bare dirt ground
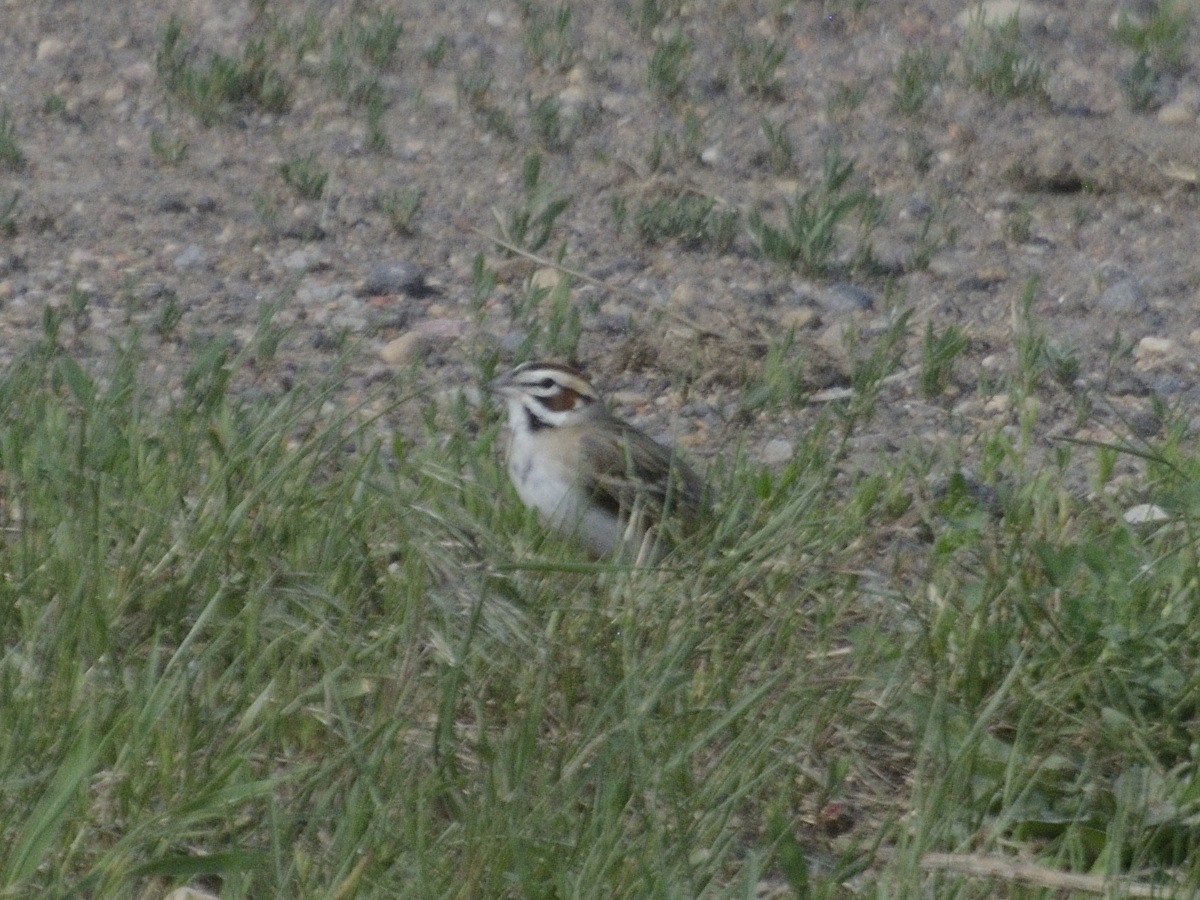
[[130, 211]]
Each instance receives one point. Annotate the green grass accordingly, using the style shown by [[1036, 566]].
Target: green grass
[[1163, 36], [1161, 39], [555, 128], [781, 151], [401, 208], [357, 56], [378, 37], [434, 53], [758, 61], [473, 88], [12, 157], [297, 38], [550, 317], [689, 218], [917, 74], [1139, 83], [815, 219], [168, 151], [305, 175], [845, 98], [646, 15], [213, 91], [274, 656], [548, 36], [939, 349], [8, 209], [54, 105], [998, 62], [377, 140], [669, 66], [246, 641], [530, 223]]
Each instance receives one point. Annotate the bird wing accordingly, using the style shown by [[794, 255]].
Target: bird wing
[[629, 466]]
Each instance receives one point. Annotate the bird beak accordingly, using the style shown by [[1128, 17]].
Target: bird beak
[[499, 385]]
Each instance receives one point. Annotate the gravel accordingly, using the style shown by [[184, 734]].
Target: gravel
[[1016, 190]]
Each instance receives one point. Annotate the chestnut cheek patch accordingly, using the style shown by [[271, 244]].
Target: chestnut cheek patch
[[562, 400]]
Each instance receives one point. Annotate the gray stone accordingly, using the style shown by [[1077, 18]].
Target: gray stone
[[172, 203], [513, 341], [302, 227], [1124, 297], [395, 277], [240, 292], [1167, 385], [311, 292], [844, 297], [1144, 423]]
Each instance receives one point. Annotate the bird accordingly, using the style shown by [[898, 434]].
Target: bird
[[591, 475]]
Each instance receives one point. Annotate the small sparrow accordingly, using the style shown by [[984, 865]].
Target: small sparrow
[[589, 474]]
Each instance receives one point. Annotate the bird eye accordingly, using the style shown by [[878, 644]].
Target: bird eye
[[546, 383]]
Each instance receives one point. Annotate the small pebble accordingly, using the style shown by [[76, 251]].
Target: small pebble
[[444, 329], [1165, 385], [797, 319], [628, 398], [1145, 513], [49, 48], [189, 893], [546, 277], [191, 256], [298, 261], [404, 349], [1154, 346], [998, 405], [777, 451], [1177, 114], [844, 297]]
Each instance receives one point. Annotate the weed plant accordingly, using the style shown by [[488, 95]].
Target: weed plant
[[401, 208], [530, 224], [1163, 34], [758, 60], [917, 74], [814, 219], [305, 176], [998, 62], [691, 219], [669, 66], [213, 91]]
